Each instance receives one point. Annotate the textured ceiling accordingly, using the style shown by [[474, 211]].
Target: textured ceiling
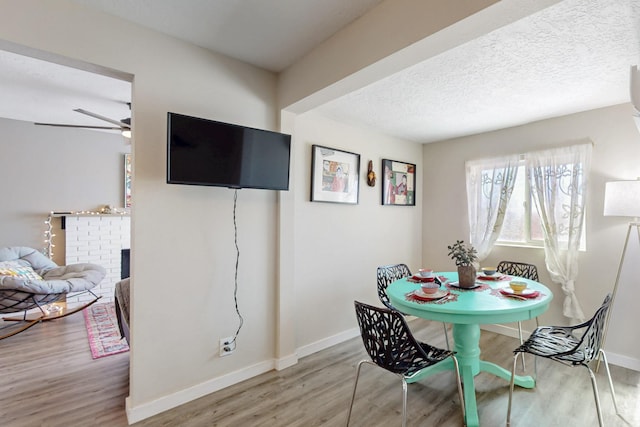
[[570, 57], [39, 91]]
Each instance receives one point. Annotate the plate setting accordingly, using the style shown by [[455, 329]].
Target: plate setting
[[527, 293], [495, 277], [419, 278], [440, 293]]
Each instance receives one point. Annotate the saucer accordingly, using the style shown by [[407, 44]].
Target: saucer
[[527, 293], [440, 293], [423, 279], [493, 277]]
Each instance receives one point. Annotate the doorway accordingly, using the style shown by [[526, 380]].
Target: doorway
[[55, 159]]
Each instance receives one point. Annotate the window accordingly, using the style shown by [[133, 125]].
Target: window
[[522, 225], [499, 195]]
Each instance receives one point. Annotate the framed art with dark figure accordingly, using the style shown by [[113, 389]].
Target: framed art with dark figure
[[334, 175], [398, 183]]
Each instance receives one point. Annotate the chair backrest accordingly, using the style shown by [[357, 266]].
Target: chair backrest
[[388, 274], [387, 338], [520, 269], [27, 256], [592, 337]]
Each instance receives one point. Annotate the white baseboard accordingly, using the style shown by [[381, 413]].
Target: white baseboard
[[505, 330], [149, 409], [623, 361], [328, 342], [285, 362]]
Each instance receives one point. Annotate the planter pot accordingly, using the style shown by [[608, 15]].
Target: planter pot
[[466, 276]]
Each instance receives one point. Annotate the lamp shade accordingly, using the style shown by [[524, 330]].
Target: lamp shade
[[622, 198]]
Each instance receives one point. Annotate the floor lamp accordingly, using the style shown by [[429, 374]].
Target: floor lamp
[[621, 198]]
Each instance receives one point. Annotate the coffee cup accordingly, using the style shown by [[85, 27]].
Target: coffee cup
[[518, 287], [427, 273]]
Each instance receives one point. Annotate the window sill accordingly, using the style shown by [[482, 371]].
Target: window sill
[[520, 245], [527, 245]]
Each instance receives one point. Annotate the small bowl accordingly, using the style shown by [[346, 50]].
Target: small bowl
[[430, 288], [426, 272], [489, 271], [518, 287]]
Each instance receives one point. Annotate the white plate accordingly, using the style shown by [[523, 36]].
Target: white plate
[[523, 293], [440, 293]]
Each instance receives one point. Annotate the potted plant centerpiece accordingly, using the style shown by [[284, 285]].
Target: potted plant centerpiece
[[464, 256]]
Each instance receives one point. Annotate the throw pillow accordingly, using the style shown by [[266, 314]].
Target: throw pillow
[[12, 268]]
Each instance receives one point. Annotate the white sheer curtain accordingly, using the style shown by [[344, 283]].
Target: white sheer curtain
[[558, 179], [489, 187]]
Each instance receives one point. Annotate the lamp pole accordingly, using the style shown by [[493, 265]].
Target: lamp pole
[[635, 224]]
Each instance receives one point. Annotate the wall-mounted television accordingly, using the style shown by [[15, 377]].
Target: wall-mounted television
[[208, 152]]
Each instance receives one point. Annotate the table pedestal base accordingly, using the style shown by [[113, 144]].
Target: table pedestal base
[[467, 347]]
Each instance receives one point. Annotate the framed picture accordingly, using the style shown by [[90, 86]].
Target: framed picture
[[398, 183], [127, 180], [334, 175]]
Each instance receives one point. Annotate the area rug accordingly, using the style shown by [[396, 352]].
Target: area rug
[[102, 328]]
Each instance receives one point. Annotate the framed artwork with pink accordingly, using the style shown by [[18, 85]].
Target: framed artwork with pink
[[334, 175], [127, 180], [398, 183]]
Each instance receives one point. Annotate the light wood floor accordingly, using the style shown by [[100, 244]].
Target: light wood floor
[[47, 378]]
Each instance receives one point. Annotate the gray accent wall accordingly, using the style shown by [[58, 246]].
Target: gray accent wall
[[44, 169]]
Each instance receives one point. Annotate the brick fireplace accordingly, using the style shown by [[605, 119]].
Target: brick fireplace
[[97, 239]]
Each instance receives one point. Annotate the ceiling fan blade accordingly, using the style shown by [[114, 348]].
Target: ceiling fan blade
[[78, 126], [106, 119]]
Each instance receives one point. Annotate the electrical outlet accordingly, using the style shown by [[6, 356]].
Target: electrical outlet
[[227, 346]]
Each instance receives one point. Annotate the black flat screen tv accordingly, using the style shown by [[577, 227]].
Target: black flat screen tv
[[207, 152]]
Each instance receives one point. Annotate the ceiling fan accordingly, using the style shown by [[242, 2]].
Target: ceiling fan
[[124, 125]]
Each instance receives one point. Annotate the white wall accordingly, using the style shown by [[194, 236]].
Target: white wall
[[338, 247], [182, 237], [615, 156], [46, 169], [183, 252]]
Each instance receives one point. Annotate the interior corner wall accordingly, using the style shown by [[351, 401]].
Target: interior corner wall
[[616, 151], [182, 243], [339, 246], [46, 169]]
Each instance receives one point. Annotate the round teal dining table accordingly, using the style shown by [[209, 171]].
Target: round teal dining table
[[466, 310]]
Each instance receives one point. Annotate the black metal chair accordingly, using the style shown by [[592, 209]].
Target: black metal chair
[[391, 273], [391, 346], [572, 346], [520, 269], [388, 274]]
